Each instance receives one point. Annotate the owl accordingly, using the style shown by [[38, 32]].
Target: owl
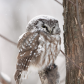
[[38, 46]]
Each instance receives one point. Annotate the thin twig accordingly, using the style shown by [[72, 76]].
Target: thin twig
[[8, 39], [60, 50], [62, 4], [58, 2], [71, 61], [68, 0]]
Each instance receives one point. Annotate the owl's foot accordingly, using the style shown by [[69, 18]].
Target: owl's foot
[[51, 67], [42, 74]]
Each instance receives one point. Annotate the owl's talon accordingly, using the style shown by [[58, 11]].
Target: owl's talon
[[51, 67]]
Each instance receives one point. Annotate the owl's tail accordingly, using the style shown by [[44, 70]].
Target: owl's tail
[[17, 76]]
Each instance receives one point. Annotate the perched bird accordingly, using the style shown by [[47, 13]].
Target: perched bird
[[38, 46]]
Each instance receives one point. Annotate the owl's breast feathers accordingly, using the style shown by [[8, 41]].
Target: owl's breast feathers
[[36, 48], [49, 47]]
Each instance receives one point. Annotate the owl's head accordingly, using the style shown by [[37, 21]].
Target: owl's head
[[44, 23]]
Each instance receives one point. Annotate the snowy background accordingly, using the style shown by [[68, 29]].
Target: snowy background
[[14, 16]]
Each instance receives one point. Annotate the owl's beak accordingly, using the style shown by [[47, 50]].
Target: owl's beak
[[50, 31]]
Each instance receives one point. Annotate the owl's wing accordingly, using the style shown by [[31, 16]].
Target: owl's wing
[[27, 44]]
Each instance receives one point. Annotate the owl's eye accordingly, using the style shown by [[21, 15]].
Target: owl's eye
[[44, 26]]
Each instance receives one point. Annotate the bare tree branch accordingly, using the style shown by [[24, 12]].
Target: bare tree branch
[[71, 61], [68, 0], [8, 39], [58, 2]]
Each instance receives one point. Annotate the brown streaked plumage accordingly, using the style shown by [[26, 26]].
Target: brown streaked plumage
[[38, 46]]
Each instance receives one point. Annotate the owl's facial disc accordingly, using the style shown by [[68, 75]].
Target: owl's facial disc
[[51, 30]]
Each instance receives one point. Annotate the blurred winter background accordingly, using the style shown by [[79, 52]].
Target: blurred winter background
[[14, 16]]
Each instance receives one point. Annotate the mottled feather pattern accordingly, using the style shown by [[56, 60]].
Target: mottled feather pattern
[[26, 52], [29, 54]]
